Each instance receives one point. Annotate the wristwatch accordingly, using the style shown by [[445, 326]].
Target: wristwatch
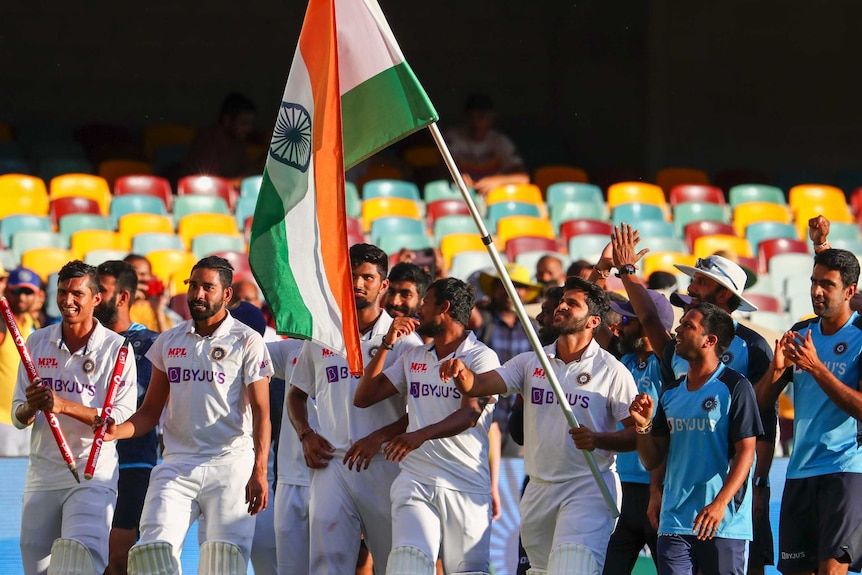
[[761, 482], [627, 269]]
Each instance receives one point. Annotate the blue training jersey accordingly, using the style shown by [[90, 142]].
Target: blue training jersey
[[140, 451], [703, 427], [826, 439], [647, 375]]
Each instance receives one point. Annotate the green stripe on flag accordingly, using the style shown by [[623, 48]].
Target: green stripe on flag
[[268, 256], [382, 110]]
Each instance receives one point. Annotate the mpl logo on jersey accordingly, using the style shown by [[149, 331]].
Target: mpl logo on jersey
[[539, 373], [181, 375], [418, 367], [47, 362], [327, 353], [418, 389], [540, 396], [177, 352]]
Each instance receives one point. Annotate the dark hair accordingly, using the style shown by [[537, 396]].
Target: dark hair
[[125, 277], [369, 254], [234, 104], [597, 299], [78, 269], [460, 296], [717, 322], [553, 292], [842, 261], [407, 272], [661, 280], [577, 267], [221, 265], [136, 257]]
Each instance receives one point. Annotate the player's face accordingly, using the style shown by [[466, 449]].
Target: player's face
[[367, 285], [829, 296], [429, 316], [689, 335], [206, 294], [572, 314], [76, 300], [549, 271], [106, 311], [631, 335], [402, 299], [545, 319], [704, 289]]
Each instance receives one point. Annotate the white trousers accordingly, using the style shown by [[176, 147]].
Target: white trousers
[[291, 528]]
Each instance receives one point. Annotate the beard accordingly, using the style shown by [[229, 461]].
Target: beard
[[634, 345], [548, 334], [430, 329], [106, 312], [573, 325], [362, 303], [208, 310]]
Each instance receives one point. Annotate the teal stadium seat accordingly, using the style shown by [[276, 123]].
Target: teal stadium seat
[[393, 243], [352, 200], [21, 222], [71, 223], [250, 187], [395, 225], [151, 241], [744, 193], [391, 189], [577, 211], [500, 210], [687, 212], [136, 204], [762, 231], [198, 204], [587, 246], [635, 213], [563, 192], [446, 225], [244, 208], [29, 239], [206, 244]]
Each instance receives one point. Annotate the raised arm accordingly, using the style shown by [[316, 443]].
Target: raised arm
[[483, 384], [373, 386]]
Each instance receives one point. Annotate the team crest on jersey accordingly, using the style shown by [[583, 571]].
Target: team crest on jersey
[[136, 343], [583, 378], [727, 358], [89, 366], [840, 348], [373, 351], [710, 403], [642, 365], [217, 353]]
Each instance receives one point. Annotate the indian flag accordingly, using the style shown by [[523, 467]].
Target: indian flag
[[350, 93]]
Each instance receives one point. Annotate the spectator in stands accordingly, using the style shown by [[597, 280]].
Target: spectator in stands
[[222, 149], [150, 298], [580, 268], [246, 291], [549, 271], [22, 289], [487, 159]]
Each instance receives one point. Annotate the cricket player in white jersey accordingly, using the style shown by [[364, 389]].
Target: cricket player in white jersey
[[75, 360], [441, 499], [347, 503], [215, 371], [565, 523]]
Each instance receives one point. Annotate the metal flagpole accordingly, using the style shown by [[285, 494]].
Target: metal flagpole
[[519, 309]]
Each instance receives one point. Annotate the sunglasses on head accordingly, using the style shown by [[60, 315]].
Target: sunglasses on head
[[22, 291], [708, 264]]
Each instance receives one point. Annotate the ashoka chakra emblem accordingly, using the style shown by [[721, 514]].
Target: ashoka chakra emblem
[[291, 138]]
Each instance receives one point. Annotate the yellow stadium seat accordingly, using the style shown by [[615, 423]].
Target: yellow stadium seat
[[88, 240], [547, 175], [113, 169], [804, 194], [707, 245], [752, 212], [131, 225], [664, 262], [165, 135], [83, 186], [380, 207], [21, 194], [636, 192], [516, 226], [167, 263], [457, 243], [667, 178], [45, 261], [527, 193], [196, 224], [836, 212]]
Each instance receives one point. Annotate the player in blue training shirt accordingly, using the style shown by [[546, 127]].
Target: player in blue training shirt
[[821, 511], [138, 455], [705, 429]]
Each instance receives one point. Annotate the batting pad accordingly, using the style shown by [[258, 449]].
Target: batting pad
[[409, 561], [155, 558], [221, 558], [571, 558], [70, 557]]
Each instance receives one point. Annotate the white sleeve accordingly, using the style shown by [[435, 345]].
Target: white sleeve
[[485, 359], [397, 374], [622, 391], [256, 361], [303, 376], [513, 373]]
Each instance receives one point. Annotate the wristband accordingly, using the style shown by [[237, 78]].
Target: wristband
[[602, 273], [387, 346], [305, 433], [761, 482], [643, 430], [627, 270], [821, 246]]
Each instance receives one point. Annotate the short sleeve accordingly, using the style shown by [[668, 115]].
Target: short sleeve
[[303, 376], [659, 421], [256, 363], [512, 373], [397, 374], [622, 392], [744, 414]]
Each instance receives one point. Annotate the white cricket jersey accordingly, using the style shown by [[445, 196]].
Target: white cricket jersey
[[82, 377], [599, 389], [208, 414], [459, 462], [323, 374], [292, 469]]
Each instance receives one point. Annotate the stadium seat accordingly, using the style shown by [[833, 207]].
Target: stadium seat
[[82, 186], [587, 246], [466, 263], [354, 231], [456, 243], [131, 225], [62, 207], [743, 193], [751, 212], [440, 190], [563, 192], [96, 257], [577, 211], [515, 226], [207, 186], [634, 213], [353, 203], [77, 222], [145, 185], [206, 244], [696, 193], [166, 263], [657, 244], [239, 261], [546, 176], [571, 228], [854, 246], [87, 240], [147, 242], [161, 135], [843, 231], [136, 204], [20, 200], [527, 193], [244, 209], [668, 178], [707, 245], [382, 207], [760, 231], [694, 230], [113, 169], [831, 210], [519, 245], [457, 224], [765, 302], [655, 228], [20, 222], [856, 201], [661, 261], [501, 210], [198, 204], [440, 208], [196, 224], [390, 189], [636, 192], [395, 225], [816, 194], [394, 242], [45, 261], [250, 187], [784, 270], [768, 249], [687, 212], [25, 240]]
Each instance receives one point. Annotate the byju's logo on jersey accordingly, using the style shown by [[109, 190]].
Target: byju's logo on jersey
[[418, 389], [291, 137], [177, 352], [840, 348], [174, 374], [710, 403], [45, 362], [727, 358], [179, 375], [583, 378], [414, 388], [335, 372], [539, 396]]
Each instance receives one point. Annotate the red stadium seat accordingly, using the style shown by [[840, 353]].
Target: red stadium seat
[[522, 244], [145, 185], [207, 186], [577, 227], [696, 193], [765, 302], [769, 248], [440, 208], [72, 205], [695, 230], [239, 261]]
